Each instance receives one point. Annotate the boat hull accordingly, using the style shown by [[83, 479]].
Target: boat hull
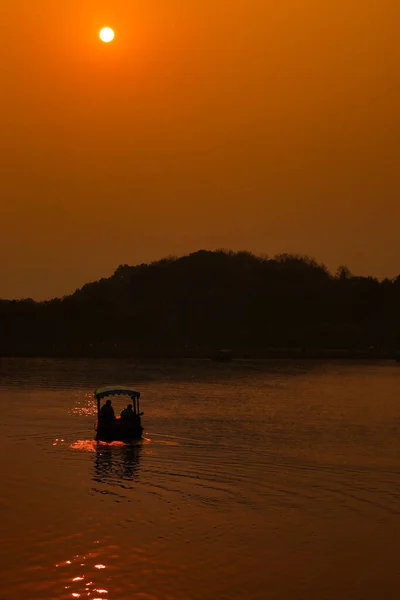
[[119, 430]]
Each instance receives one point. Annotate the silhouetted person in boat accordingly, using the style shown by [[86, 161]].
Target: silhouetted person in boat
[[107, 412], [127, 414]]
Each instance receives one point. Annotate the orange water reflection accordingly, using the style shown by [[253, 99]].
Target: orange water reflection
[[85, 405], [93, 445], [86, 584]]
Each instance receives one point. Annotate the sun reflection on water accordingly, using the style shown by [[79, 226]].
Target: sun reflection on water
[[84, 405], [90, 574], [93, 445], [79, 585]]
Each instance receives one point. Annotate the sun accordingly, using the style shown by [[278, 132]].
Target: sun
[[106, 35]]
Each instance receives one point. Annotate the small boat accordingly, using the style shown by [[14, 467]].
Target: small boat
[[118, 429], [223, 355]]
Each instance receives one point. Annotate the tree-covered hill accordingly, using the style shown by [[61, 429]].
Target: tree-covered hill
[[196, 304]]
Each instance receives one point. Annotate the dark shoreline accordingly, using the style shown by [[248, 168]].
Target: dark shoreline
[[284, 354]]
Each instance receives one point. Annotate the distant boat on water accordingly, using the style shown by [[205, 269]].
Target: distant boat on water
[[223, 355]]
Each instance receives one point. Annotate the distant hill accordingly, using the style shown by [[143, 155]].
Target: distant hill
[[198, 304]]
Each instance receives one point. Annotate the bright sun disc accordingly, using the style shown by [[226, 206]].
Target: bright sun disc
[[106, 35]]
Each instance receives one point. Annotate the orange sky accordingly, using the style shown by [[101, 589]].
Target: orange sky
[[250, 124]]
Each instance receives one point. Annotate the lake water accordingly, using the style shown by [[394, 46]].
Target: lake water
[[255, 480]]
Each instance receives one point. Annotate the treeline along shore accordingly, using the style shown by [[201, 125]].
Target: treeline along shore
[[193, 306]]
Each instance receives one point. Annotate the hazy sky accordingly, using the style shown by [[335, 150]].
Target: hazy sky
[[270, 126]]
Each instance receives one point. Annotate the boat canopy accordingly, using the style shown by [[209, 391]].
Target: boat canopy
[[115, 390]]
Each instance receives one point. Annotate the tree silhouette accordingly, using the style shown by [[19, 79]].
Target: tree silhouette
[[197, 304]]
